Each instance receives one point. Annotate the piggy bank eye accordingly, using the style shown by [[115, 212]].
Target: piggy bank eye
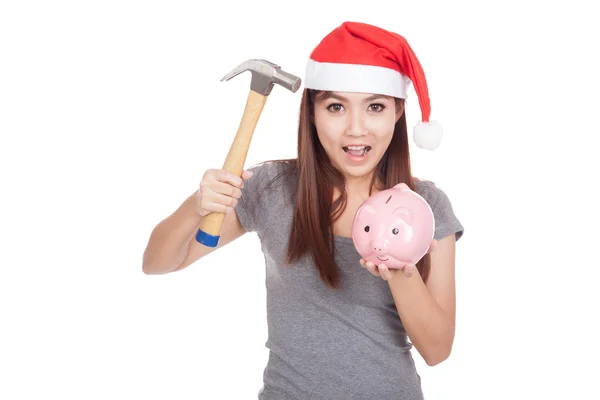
[[395, 231], [367, 228]]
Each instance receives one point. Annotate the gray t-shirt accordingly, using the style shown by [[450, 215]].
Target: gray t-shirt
[[329, 344]]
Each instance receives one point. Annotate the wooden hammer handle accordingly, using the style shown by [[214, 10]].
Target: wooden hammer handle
[[210, 228]]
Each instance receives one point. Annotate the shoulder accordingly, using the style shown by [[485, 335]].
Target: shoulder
[[429, 191], [272, 174], [272, 169], [446, 220]]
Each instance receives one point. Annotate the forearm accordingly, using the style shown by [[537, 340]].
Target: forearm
[[169, 241], [429, 327]]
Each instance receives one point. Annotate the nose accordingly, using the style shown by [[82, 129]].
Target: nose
[[379, 246], [356, 124]]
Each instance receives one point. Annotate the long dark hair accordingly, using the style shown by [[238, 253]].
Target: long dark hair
[[314, 211]]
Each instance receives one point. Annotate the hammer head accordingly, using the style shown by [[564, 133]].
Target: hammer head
[[265, 75]]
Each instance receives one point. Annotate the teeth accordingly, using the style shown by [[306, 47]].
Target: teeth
[[357, 148], [362, 149]]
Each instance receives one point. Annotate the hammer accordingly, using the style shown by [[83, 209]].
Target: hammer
[[264, 76]]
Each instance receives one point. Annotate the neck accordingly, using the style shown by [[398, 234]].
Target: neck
[[359, 186]]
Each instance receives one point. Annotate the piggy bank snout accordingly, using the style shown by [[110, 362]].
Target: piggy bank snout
[[379, 246]]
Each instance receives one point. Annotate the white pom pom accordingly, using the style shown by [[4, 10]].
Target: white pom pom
[[428, 135]]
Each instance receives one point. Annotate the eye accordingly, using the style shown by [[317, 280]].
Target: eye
[[378, 107], [395, 231], [367, 228], [335, 107]]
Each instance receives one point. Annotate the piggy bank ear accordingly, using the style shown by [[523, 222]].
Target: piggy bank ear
[[401, 186], [404, 214]]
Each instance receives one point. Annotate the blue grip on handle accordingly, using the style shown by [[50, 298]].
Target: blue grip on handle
[[207, 239]]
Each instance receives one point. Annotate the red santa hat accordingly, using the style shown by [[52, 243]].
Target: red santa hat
[[358, 57]]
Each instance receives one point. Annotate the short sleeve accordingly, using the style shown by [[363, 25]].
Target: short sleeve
[[446, 222], [251, 210]]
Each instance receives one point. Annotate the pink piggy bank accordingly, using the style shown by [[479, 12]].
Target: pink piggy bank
[[393, 227]]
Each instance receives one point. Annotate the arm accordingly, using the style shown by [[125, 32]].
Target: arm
[[428, 310], [172, 245]]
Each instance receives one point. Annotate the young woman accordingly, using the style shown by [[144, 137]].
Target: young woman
[[339, 328]]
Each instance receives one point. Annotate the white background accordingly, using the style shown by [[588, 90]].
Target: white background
[[111, 111]]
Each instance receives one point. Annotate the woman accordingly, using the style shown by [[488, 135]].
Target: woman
[[336, 331]]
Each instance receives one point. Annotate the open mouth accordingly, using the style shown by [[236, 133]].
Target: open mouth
[[357, 151], [382, 259]]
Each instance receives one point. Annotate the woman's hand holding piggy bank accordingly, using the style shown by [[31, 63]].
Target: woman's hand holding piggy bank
[[393, 229]]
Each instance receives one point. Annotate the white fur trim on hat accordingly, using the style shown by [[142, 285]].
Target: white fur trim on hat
[[355, 78]]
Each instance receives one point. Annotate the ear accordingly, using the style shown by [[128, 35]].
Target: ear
[[401, 186], [400, 110]]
